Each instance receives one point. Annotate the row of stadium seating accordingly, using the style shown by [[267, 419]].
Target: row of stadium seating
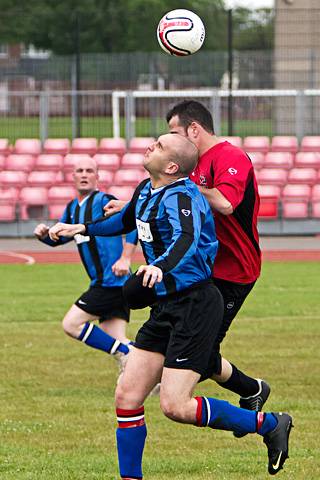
[[44, 203], [131, 177], [112, 161], [291, 201], [91, 146], [63, 146], [55, 162]]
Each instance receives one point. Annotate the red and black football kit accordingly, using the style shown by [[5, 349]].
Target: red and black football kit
[[238, 262]]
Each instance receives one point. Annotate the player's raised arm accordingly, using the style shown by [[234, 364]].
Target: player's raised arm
[[42, 231]]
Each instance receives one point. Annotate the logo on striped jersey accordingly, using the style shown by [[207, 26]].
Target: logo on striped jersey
[[185, 212]]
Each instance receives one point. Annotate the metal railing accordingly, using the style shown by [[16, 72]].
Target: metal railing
[[106, 113]]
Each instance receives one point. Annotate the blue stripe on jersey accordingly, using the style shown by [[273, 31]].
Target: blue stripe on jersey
[[176, 231], [98, 254]]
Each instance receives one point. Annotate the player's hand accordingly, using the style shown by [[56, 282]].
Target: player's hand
[[152, 275], [41, 231], [121, 267], [65, 230], [112, 207]]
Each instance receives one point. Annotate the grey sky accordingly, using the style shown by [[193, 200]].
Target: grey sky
[[249, 3]]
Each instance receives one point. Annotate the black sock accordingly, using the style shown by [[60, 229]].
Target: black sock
[[241, 384]]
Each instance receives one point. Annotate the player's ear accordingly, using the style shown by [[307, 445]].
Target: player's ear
[[172, 168], [193, 130]]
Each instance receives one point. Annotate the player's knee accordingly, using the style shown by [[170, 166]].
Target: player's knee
[[171, 408], [125, 399], [69, 326]]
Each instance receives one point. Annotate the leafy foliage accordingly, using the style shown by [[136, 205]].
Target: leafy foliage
[[120, 25]]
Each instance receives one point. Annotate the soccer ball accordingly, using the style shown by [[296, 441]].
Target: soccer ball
[[180, 32]]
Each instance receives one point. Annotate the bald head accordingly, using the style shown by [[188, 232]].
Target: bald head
[[85, 175], [184, 153], [84, 162]]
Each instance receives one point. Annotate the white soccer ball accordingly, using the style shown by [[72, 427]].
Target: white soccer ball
[[180, 32]]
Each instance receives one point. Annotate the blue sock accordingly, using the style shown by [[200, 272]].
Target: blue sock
[[267, 423], [222, 415], [95, 337], [131, 436]]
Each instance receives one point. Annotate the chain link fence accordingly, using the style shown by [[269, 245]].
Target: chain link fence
[[45, 95]]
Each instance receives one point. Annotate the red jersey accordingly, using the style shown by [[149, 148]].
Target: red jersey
[[229, 169]]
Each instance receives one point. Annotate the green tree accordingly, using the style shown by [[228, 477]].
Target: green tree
[[122, 25]]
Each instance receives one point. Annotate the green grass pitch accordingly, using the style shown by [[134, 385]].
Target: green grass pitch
[[57, 416]]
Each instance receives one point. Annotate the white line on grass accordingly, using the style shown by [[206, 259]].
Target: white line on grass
[[29, 260]]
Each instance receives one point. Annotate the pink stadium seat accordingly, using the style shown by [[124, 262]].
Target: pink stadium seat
[[84, 145], [307, 160], [295, 201], [121, 192], [272, 176], [303, 175], [72, 158], [7, 212], [278, 160], [22, 163], [140, 144], [112, 145], [315, 201], [2, 162], [105, 178], [128, 177], [296, 192], [48, 162], [58, 198], [8, 200], [60, 146], [5, 148], [132, 160], [61, 194], [68, 177], [32, 146], [107, 161], [284, 144], [236, 141], [269, 202], [294, 209], [9, 178], [43, 178], [257, 159], [256, 144], [310, 144], [33, 201]]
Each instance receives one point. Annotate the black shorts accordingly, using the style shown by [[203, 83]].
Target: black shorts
[[184, 327], [234, 295], [104, 303]]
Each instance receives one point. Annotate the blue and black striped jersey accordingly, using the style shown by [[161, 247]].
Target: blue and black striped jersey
[[98, 254], [175, 229]]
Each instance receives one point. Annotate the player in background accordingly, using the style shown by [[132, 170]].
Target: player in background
[[177, 343], [107, 262], [225, 176]]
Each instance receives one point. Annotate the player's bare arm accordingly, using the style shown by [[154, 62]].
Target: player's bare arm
[[41, 231], [122, 266], [152, 275], [216, 200], [65, 230], [112, 207]]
